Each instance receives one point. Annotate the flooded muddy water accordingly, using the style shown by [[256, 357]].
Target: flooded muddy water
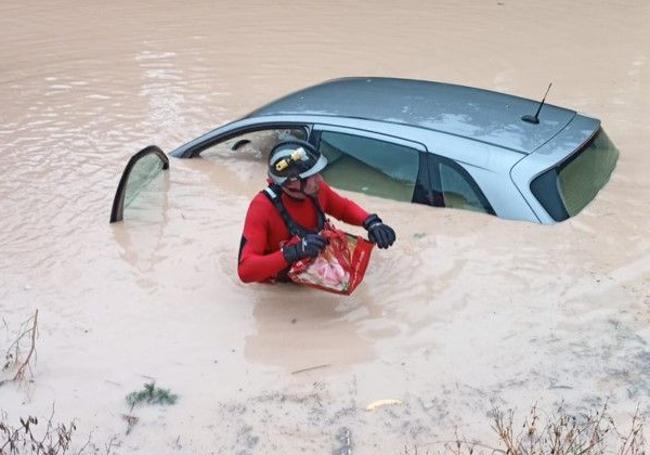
[[465, 312]]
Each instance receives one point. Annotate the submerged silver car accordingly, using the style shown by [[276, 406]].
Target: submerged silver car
[[430, 143]]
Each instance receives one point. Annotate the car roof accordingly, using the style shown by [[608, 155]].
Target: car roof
[[483, 115]]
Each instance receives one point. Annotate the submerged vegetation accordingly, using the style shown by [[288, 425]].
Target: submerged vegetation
[[151, 394]]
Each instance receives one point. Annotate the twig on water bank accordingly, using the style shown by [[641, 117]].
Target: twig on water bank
[[316, 367], [29, 328]]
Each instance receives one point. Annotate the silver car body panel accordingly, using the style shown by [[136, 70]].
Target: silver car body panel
[[481, 130], [483, 115]]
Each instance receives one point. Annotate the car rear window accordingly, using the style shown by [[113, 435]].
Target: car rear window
[[567, 188]]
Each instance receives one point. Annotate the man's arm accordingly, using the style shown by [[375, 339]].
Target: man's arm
[[345, 210], [254, 264], [341, 208]]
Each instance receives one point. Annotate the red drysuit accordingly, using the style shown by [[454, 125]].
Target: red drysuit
[[260, 258]]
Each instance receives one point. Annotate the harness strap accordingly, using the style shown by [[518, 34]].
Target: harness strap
[[274, 193]]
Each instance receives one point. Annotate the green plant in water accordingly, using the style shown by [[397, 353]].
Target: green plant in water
[[151, 395]]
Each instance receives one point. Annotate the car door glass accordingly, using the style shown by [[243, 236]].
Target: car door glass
[[457, 191], [252, 145], [370, 166], [140, 182]]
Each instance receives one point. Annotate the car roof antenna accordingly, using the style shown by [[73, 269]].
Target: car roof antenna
[[533, 118]]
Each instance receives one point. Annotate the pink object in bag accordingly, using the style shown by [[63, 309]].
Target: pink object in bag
[[341, 265]]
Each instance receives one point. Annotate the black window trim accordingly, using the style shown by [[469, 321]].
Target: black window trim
[[197, 149], [117, 212], [434, 161]]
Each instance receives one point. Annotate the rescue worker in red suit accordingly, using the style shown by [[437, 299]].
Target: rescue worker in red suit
[[283, 222]]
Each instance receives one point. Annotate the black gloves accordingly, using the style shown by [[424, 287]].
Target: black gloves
[[309, 246], [378, 232]]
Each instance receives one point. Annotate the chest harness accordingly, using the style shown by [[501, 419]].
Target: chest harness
[[274, 192]]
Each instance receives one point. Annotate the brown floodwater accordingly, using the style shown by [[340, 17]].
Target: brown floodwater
[[465, 312]]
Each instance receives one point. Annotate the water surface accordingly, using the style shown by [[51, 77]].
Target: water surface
[[465, 311]]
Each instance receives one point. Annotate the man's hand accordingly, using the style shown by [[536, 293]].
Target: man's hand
[[378, 232], [309, 246]]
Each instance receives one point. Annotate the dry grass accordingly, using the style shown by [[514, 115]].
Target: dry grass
[[52, 439], [561, 433], [566, 434]]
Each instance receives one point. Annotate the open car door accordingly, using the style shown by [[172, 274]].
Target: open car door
[[142, 169]]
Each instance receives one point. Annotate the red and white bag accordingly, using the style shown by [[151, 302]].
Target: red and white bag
[[341, 265]]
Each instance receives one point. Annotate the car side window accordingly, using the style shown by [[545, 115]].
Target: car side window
[[140, 180], [370, 166], [455, 188], [252, 144]]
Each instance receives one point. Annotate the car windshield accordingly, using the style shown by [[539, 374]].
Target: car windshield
[[566, 189]]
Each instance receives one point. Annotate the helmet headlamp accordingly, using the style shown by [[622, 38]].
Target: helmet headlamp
[[294, 160]]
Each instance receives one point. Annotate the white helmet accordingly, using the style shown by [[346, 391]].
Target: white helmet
[[293, 160]]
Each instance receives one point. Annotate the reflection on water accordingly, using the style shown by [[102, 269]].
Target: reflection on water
[[298, 329], [142, 232], [163, 87]]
